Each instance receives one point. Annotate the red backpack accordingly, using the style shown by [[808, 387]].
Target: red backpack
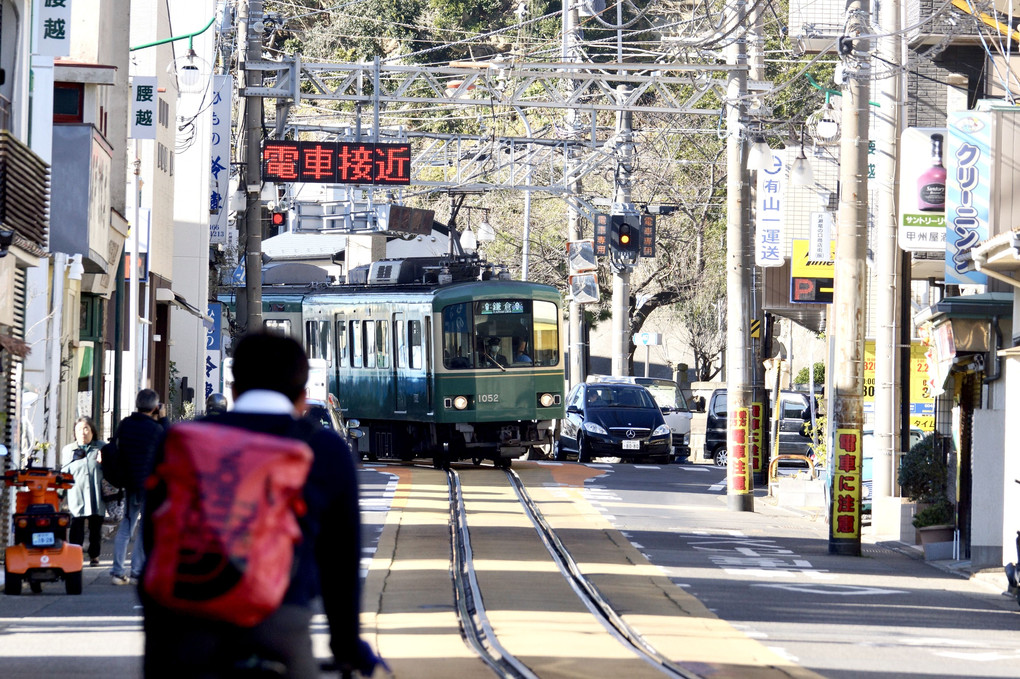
[[223, 539]]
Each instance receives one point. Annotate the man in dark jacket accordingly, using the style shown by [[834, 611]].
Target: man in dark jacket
[[270, 372], [137, 437]]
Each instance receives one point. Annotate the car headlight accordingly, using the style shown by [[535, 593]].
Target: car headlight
[[687, 439], [460, 402], [661, 430], [595, 428]]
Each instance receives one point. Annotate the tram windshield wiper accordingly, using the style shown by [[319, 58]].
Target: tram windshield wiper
[[494, 361]]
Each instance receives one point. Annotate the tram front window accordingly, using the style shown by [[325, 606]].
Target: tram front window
[[504, 334]]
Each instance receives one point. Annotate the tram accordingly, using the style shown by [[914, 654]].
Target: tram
[[442, 357]]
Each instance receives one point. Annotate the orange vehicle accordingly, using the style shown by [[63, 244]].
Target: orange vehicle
[[40, 552]]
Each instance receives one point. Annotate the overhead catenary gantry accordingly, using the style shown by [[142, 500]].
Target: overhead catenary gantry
[[551, 160]]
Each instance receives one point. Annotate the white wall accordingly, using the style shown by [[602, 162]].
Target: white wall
[[191, 207], [986, 540]]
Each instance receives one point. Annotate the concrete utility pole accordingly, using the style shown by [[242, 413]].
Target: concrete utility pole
[[739, 481], [888, 392], [571, 36], [758, 424], [250, 13], [621, 268], [848, 318]]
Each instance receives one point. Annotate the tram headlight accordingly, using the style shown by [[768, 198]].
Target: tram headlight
[[546, 400], [460, 402]]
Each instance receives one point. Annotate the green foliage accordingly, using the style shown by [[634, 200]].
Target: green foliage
[[939, 512], [923, 471], [802, 375], [819, 449]]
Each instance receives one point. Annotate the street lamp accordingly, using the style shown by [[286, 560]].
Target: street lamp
[[800, 170], [193, 73], [759, 157]]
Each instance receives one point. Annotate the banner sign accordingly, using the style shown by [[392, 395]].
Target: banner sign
[[968, 192], [737, 467], [768, 215], [757, 431], [53, 28], [143, 107], [922, 202], [219, 159], [846, 485], [322, 162]]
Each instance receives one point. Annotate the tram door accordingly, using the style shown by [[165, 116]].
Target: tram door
[[400, 355], [341, 361]]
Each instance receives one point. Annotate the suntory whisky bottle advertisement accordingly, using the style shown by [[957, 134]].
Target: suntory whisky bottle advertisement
[[923, 189]]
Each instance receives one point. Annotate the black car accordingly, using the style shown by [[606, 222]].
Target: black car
[[327, 414], [613, 420]]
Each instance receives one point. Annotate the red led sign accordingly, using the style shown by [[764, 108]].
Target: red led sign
[[336, 162]]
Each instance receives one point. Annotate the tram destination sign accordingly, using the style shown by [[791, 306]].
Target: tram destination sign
[[321, 162]]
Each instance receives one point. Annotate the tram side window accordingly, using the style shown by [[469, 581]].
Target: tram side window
[[341, 342], [457, 345], [370, 349], [277, 326], [414, 338], [356, 353], [546, 333], [382, 344], [317, 342], [401, 343]]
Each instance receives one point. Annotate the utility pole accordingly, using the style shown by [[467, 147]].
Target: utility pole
[[888, 392], [622, 267], [571, 36], [250, 13], [849, 280], [758, 423], [739, 481]]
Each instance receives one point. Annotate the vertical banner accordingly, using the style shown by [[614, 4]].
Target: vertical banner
[[922, 194], [768, 215], [219, 159], [757, 431], [737, 458], [213, 349], [820, 242], [53, 28], [846, 486], [143, 107], [968, 191]]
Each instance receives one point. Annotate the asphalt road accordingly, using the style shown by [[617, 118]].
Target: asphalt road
[[887, 613]]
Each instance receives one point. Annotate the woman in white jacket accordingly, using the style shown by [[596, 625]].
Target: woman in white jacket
[[85, 498]]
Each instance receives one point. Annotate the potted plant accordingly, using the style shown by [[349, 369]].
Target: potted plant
[[923, 477]]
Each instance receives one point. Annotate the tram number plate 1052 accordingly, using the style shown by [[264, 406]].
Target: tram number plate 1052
[[632, 445]]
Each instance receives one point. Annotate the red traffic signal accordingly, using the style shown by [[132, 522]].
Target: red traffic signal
[[278, 218]]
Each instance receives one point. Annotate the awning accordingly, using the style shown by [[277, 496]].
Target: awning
[[14, 346], [168, 295]]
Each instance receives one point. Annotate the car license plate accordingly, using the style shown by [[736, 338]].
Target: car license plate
[[42, 539], [632, 445]]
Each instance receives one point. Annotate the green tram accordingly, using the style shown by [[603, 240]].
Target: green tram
[[441, 358]]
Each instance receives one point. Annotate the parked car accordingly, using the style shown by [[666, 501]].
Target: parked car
[[867, 474], [613, 420], [671, 401], [793, 411], [327, 413]]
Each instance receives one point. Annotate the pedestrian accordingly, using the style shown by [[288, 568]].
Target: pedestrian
[[136, 439], [270, 373], [85, 497]]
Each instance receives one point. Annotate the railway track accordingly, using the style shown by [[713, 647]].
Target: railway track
[[479, 631], [480, 571]]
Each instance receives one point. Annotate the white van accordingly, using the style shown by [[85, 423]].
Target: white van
[[671, 401]]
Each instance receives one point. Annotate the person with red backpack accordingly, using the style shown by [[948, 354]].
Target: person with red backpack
[[251, 518]]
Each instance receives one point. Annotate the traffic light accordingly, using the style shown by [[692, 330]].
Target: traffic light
[[625, 235], [278, 218]]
